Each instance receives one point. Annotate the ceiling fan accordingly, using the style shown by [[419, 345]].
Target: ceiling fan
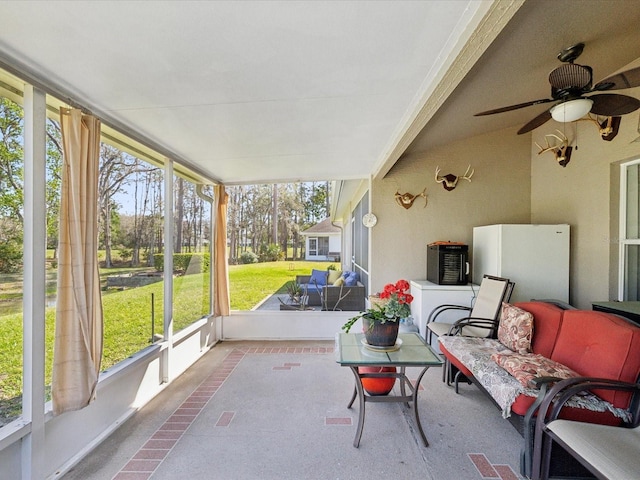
[[570, 85]]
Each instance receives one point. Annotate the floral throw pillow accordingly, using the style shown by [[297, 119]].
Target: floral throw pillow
[[516, 328], [530, 366]]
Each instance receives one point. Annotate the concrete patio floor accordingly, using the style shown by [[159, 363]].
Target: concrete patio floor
[[278, 410]]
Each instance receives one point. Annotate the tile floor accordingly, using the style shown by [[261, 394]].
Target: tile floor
[[277, 410]]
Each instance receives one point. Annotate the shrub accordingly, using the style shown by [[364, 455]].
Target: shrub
[[10, 257], [248, 257], [125, 254], [270, 253], [187, 263]]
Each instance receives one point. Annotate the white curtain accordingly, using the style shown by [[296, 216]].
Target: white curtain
[[79, 322]]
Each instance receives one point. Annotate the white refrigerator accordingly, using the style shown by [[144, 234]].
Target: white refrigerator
[[535, 257]]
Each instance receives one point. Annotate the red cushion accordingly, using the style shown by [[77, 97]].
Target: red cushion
[[597, 344], [547, 319]]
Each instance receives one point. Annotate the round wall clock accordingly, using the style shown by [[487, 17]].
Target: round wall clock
[[369, 220]]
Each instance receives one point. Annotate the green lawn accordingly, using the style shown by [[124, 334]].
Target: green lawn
[[127, 314]]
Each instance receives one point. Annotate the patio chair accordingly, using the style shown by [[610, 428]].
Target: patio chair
[[606, 451], [482, 319]]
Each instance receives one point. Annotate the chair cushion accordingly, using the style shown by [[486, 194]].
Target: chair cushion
[[311, 288], [527, 367], [516, 328], [547, 319], [318, 277], [598, 344], [350, 279], [612, 451], [333, 276], [439, 328]]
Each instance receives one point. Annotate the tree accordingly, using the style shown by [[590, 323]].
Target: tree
[[274, 215], [260, 214], [54, 182], [116, 170], [145, 213], [316, 207], [179, 214], [11, 175], [11, 159]]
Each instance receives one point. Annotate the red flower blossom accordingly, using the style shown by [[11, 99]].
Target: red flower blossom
[[398, 299], [396, 308]]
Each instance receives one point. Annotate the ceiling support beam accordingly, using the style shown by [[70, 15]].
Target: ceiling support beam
[[480, 31]]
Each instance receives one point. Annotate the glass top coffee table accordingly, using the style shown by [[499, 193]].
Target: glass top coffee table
[[410, 351]]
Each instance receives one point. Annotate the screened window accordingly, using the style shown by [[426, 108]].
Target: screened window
[[360, 241], [313, 246], [11, 250], [131, 226], [630, 232], [323, 246], [191, 259]]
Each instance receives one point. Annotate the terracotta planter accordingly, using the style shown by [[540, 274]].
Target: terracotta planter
[[378, 386], [381, 334]]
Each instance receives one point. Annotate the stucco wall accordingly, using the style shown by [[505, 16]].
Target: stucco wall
[[585, 195], [500, 192]]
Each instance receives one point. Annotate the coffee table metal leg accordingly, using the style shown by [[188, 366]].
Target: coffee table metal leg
[[415, 406], [353, 397], [403, 388], [359, 391]]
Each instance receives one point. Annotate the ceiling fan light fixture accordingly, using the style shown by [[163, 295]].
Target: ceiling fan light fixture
[[571, 110]]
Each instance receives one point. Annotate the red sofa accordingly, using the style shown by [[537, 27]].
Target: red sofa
[[593, 344]]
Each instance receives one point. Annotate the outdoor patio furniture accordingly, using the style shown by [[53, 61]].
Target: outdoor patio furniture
[[482, 320], [333, 297], [564, 343], [411, 352], [608, 452]]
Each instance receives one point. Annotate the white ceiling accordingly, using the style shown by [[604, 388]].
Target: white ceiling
[[245, 92], [259, 92]]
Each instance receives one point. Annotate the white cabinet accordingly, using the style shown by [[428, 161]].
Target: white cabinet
[[428, 295]]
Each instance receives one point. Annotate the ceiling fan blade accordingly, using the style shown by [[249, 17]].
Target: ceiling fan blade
[[613, 104], [627, 79], [536, 122], [514, 107]]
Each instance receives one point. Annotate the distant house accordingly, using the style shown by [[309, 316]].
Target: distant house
[[323, 241]]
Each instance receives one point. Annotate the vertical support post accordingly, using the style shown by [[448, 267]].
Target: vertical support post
[[34, 297], [153, 318], [165, 367], [213, 209]]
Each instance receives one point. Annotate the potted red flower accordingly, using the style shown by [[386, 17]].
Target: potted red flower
[[380, 325], [382, 320]]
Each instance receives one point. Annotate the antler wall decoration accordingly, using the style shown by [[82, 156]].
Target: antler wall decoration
[[562, 151], [450, 181], [406, 199], [637, 138], [607, 128]]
